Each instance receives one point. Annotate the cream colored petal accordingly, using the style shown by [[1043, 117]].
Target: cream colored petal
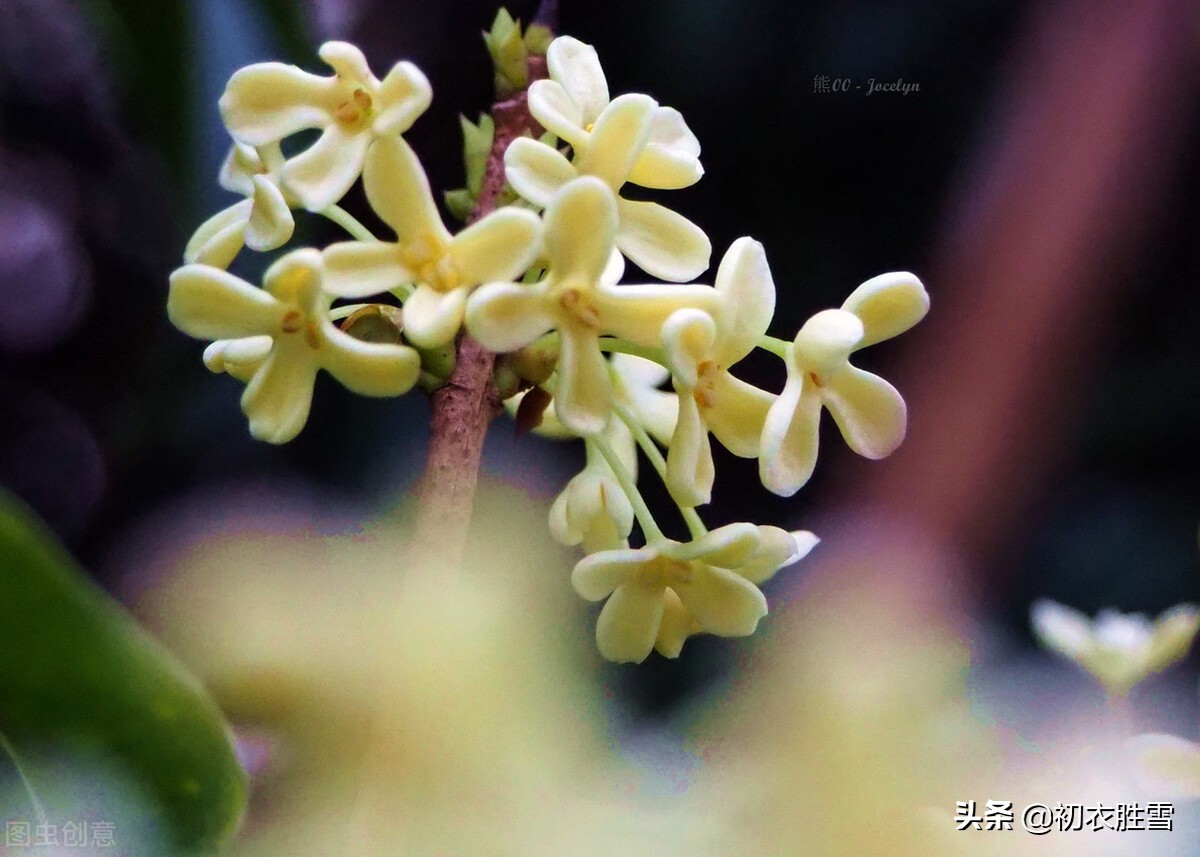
[[271, 224], [1170, 764], [296, 279], [637, 373], [432, 318], [677, 625], [617, 139], [776, 548], [240, 358], [624, 447], [615, 269], [369, 368], [888, 305], [1173, 634], [826, 341], [507, 316], [576, 67], [347, 61], [738, 414], [499, 247], [360, 269], [239, 168], [278, 398], [219, 239], [744, 281], [729, 546], [592, 510], [550, 105], [687, 337], [722, 602], [806, 540], [321, 174], [209, 303], [629, 623], [638, 313], [536, 171], [266, 102], [671, 159], [403, 96], [789, 440], [583, 399], [661, 242], [399, 192], [1061, 629], [580, 223], [655, 409], [596, 576], [869, 411], [563, 527], [690, 469]]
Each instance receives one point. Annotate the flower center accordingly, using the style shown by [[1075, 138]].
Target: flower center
[[575, 301], [816, 379], [705, 392], [663, 571], [429, 259], [355, 110], [296, 322]]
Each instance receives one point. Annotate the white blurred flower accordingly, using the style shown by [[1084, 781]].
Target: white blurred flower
[[1118, 649]]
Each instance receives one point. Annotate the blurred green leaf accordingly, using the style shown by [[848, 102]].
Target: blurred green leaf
[[83, 688]]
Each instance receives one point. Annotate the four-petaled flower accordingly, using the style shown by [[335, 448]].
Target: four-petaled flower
[[293, 312], [446, 268], [629, 139], [868, 410], [263, 221], [659, 594], [266, 102], [575, 300], [700, 348]]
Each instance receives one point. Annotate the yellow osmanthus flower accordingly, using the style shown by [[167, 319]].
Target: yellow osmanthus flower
[[867, 409], [574, 299], [628, 139], [1118, 649], [592, 511], [293, 312], [266, 102], [445, 268], [659, 594], [263, 221], [700, 349]]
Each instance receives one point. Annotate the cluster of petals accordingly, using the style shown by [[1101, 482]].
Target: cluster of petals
[[660, 594], [630, 138], [277, 338]]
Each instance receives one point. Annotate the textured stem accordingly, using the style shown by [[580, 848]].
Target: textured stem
[[466, 405]]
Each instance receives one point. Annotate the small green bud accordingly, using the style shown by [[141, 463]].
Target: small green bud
[[460, 202], [477, 144], [537, 39], [375, 323], [507, 47], [537, 360], [438, 362], [508, 381]]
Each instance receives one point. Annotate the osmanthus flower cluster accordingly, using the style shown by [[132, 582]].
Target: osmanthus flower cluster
[[646, 366]]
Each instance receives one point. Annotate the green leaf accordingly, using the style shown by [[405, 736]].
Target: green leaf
[[477, 145], [461, 203], [83, 689], [507, 48]]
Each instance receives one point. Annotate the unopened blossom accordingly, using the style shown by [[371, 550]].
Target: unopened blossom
[[646, 589], [266, 102], [293, 312], [1118, 649], [445, 267], [628, 139], [573, 299], [262, 221], [868, 410], [700, 349], [592, 511]]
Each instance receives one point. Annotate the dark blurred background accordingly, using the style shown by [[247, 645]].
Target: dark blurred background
[[1042, 180]]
